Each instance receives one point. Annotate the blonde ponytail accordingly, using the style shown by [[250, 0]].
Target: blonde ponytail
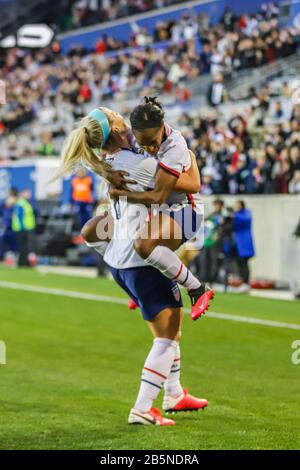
[[79, 149]]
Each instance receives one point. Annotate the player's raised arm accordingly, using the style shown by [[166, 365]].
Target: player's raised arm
[[165, 183]]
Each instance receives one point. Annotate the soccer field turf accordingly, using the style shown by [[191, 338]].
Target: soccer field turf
[[74, 365]]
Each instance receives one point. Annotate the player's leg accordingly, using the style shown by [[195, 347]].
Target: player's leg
[[165, 328], [165, 324], [157, 242], [161, 306], [160, 303], [98, 231], [176, 398]]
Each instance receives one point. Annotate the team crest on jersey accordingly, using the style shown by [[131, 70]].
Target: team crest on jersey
[[176, 293]]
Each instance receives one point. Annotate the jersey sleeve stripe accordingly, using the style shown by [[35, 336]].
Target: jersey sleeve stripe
[[169, 170], [191, 200]]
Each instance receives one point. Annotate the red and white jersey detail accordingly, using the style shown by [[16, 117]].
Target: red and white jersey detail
[[173, 154]]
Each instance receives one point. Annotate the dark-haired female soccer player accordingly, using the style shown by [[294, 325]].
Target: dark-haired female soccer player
[[172, 226]]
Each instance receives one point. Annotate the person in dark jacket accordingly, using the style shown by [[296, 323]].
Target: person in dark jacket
[[242, 232], [8, 239]]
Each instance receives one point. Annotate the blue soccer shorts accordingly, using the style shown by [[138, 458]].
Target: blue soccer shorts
[[149, 288]]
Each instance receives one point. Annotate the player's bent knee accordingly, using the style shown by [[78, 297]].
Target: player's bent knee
[[143, 247], [87, 233]]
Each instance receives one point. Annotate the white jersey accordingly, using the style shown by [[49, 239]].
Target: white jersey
[[129, 218], [173, 154], [174, 157]]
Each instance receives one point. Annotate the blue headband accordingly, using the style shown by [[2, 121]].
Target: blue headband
[[103, 121]]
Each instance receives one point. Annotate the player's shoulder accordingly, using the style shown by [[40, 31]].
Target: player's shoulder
[[174, 139], [124, 155], [148, 163]]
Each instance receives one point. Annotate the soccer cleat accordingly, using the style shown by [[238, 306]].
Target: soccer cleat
[[153, 416], [132, 305], [184, 402], [200, 299]]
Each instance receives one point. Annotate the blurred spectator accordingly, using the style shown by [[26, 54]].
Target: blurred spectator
[[217, 92], [46, 147], [82, 197], [8, 238], [23, 225], [242, 231], [294, 185], [212, 244]]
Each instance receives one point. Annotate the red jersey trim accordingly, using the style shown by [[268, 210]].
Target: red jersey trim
[[169, 170]]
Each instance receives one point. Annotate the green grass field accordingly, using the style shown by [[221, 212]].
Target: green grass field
[[73, 370]]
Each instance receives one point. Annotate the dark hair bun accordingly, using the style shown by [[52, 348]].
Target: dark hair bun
[[148, 115], [152, 100]]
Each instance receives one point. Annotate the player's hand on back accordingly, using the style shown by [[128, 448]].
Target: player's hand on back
[[115, 193], [119, 179]]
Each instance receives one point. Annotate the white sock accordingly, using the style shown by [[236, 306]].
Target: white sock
[[172, 385], [156, 370], [100, 246], [169, 264]]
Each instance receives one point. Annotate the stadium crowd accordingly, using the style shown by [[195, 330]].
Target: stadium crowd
[[88, 12], [254, 151], [49, 91]]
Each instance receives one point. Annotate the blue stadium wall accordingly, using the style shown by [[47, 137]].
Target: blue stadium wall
[[19, 177], [28, 176]]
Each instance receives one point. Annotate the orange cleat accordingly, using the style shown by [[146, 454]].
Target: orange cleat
[[153, 416], [200, 299], [184, 402], [132, 305]]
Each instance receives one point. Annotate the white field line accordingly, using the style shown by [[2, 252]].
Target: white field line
[[118, 300]]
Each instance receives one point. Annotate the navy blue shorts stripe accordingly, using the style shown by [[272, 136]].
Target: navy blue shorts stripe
[[187, 275]]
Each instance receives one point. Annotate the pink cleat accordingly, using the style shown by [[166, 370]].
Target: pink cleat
[[184, 402], [132, 305], [153, 416], [200, 299]]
